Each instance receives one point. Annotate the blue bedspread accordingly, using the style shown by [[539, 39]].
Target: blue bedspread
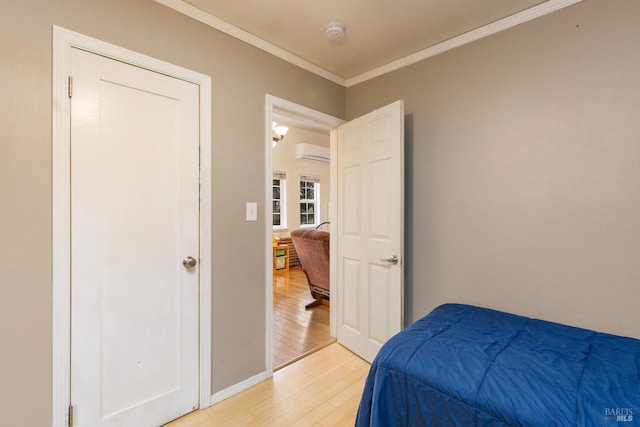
[[469, 366]]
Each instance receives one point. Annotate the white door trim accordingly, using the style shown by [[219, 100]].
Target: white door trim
[[320, 120], [63, 41]]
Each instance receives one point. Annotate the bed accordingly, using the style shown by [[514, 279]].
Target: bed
[[469, 366]]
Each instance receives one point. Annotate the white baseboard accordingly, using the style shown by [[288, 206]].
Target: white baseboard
[[237, 388]]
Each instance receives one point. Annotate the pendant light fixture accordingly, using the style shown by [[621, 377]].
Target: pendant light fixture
[[279, 131]]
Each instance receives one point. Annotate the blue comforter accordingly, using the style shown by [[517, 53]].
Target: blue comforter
[[469, 366]]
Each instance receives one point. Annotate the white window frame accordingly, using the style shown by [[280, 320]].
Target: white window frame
[[315, 201], [283, 203]]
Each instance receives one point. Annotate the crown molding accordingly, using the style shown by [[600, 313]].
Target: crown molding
[[511, 21], [242, 35], [473, 35]]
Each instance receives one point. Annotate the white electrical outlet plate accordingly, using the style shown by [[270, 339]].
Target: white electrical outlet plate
[[252, 211]]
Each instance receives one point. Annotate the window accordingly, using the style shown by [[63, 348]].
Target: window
[[309, 200], [279, 199]]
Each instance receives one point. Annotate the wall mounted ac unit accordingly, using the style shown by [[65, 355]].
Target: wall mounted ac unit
[[312, 152]]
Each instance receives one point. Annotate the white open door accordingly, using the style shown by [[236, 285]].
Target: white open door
[[370, 227], [134, 218]]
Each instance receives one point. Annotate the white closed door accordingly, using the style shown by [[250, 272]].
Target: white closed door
[[370, 229], [134, 218]]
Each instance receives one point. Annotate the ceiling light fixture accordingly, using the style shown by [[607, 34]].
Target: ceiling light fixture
[[334, 31], [279, 131]]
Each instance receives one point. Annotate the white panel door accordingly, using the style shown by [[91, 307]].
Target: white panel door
[[370, 229], [134, 210]]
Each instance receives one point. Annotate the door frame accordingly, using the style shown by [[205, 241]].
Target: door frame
[[63, 41], [318, 119]]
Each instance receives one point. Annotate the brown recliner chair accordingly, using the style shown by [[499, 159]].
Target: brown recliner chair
[[312, 247]]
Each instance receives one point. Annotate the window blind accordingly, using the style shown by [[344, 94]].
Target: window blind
[[310, 178], [279, 174]]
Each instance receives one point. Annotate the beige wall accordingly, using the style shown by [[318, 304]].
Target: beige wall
[[242, 75], [523, 169], [522, 172], [284, 159]]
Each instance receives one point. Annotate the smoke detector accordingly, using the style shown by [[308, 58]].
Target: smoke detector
[[334, 31]]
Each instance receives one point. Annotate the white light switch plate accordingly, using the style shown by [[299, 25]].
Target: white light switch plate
[[252, 211]]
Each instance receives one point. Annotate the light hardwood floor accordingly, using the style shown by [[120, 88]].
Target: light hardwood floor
[[296, 331], [321, 390]]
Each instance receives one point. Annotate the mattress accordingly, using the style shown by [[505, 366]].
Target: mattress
[[469, 366]]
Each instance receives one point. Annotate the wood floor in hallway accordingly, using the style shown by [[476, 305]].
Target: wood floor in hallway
[[296, 330]]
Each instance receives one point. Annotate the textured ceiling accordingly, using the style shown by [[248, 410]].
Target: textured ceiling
[[377, 31], [381, 35]]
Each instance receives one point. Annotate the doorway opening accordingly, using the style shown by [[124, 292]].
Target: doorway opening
[[298, 195]]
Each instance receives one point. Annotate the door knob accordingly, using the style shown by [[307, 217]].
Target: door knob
[[393, 260], [189, 262]]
